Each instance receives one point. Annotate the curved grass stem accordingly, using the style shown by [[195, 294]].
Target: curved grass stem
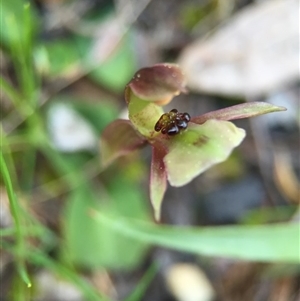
[[15, 211]]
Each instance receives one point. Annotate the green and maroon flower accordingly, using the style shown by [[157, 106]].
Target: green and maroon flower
[[182, 146]]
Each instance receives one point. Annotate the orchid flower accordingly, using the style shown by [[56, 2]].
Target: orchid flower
[[182, 147]]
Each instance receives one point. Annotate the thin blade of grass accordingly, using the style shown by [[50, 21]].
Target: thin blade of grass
[[16, 213], [142, 286], [39, 258], [10, 92]]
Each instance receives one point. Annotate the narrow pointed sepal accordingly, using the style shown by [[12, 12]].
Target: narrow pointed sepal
[[244, 110], [158, 180]]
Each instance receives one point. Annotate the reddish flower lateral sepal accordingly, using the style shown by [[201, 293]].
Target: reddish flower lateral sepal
[[118, 139]]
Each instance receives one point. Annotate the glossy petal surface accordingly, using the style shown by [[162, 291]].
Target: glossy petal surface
[[198, 148]]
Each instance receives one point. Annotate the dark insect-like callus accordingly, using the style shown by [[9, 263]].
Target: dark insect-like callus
[[172, 123]]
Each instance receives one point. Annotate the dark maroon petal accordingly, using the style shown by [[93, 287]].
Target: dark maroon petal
[[119, 138]]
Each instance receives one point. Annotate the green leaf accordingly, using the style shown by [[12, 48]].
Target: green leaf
[[98, 114], [18, 26], [117, 70], [244, 110], [267, 243], [61, 56], [93, 245], [158, 180], [118, 139], [159, 83], [198, 148]]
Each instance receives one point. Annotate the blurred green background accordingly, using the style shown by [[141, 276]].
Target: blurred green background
[[67, 221]]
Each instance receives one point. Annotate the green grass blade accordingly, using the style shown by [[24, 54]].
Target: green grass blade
[[142, 286], [15, 210], [6, 232], [10, 92], [39, 258], [267, 243]]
